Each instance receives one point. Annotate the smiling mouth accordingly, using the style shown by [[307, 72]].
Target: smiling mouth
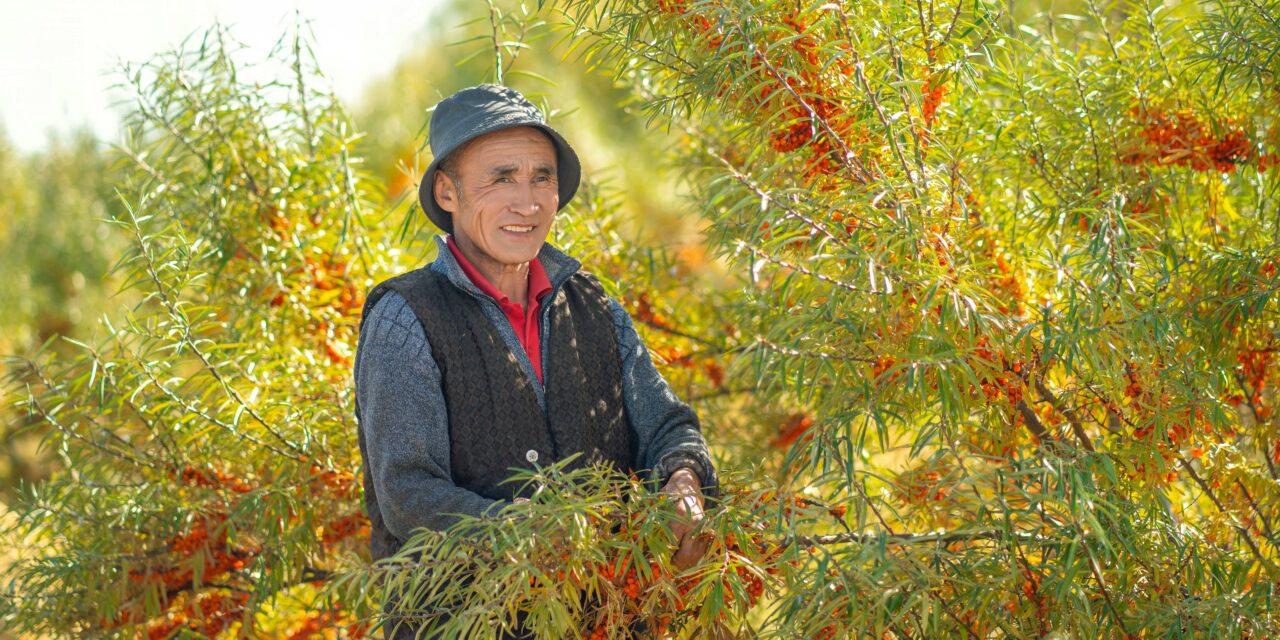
[[518, 228]]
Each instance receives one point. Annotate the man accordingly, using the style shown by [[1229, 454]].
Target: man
[[501, 353]]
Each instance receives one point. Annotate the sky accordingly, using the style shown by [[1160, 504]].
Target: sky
[[58, 58]]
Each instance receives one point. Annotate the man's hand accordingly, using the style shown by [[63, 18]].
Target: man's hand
[[686, 488]]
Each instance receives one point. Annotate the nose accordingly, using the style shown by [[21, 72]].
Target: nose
[[524, 200]]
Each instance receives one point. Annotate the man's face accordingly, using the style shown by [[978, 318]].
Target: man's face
[[505, 199]]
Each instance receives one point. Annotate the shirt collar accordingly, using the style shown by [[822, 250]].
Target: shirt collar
[[556, 266], [539, 285]]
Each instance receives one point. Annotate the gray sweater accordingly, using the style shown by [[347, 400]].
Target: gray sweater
[[406, 425]]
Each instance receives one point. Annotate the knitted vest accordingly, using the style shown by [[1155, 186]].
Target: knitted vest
[[495, 421]]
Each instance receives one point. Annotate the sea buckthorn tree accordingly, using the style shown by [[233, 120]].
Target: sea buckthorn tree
[[1016, 276], [998, 364], [205, 440]]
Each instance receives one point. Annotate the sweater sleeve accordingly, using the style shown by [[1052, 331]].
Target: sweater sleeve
[[405, 424], [667, 429]]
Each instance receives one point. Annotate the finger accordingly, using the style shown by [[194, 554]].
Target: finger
[[693, 508], [687, 555], [680, 530], [691, 550], [689, 510], [702, 542], [688, 520]]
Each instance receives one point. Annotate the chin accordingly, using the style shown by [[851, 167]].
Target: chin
[[514, 257], [524, 248]]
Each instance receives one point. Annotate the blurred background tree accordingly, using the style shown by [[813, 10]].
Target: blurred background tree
[[56, 252]]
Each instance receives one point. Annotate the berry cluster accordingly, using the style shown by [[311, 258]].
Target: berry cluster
[[214, 557], [204, 549], [211, 550], [1183, 139], [1006, 281], [789, 506], [625, 588], [933, 92], [806, 103], [335, 341], [327, 272], [920, 486], [643, 311], [830, 632], [649, 599], [1157, 465], [1252, 370], [321, 626], [1008, 383], [279, 224], [1029, 585], [795, 427], [345, 527], [337, 483], [672, 6], [205, 616], [209, 614], [881, 365], [332, 294], [196, 477]]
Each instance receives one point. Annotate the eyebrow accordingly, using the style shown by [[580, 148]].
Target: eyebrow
[[508, 169]]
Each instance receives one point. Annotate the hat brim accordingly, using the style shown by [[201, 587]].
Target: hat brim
[[568, 173]]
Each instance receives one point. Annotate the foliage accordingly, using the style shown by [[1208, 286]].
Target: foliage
[[55, 253], [207, 438], [1000, 363], [1021, 281], [52, 201]]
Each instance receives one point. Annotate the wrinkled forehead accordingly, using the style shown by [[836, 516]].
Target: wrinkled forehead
[[509, 145]]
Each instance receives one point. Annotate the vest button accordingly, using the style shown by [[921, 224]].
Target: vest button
[[531, 455]]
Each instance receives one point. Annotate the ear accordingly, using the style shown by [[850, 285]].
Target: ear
[[446, 192]]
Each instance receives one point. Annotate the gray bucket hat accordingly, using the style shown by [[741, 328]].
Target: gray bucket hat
[[482, 109]]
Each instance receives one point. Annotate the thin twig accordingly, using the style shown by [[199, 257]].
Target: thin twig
[[1072, 418], [1106, 593], [1244, 532], [1266, 523], [1034, 425], [820, 355], [174, 313], [35, 404], [941, 537], [795, 267]]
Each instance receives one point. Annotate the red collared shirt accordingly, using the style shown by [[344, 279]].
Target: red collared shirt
[[523, 320]]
